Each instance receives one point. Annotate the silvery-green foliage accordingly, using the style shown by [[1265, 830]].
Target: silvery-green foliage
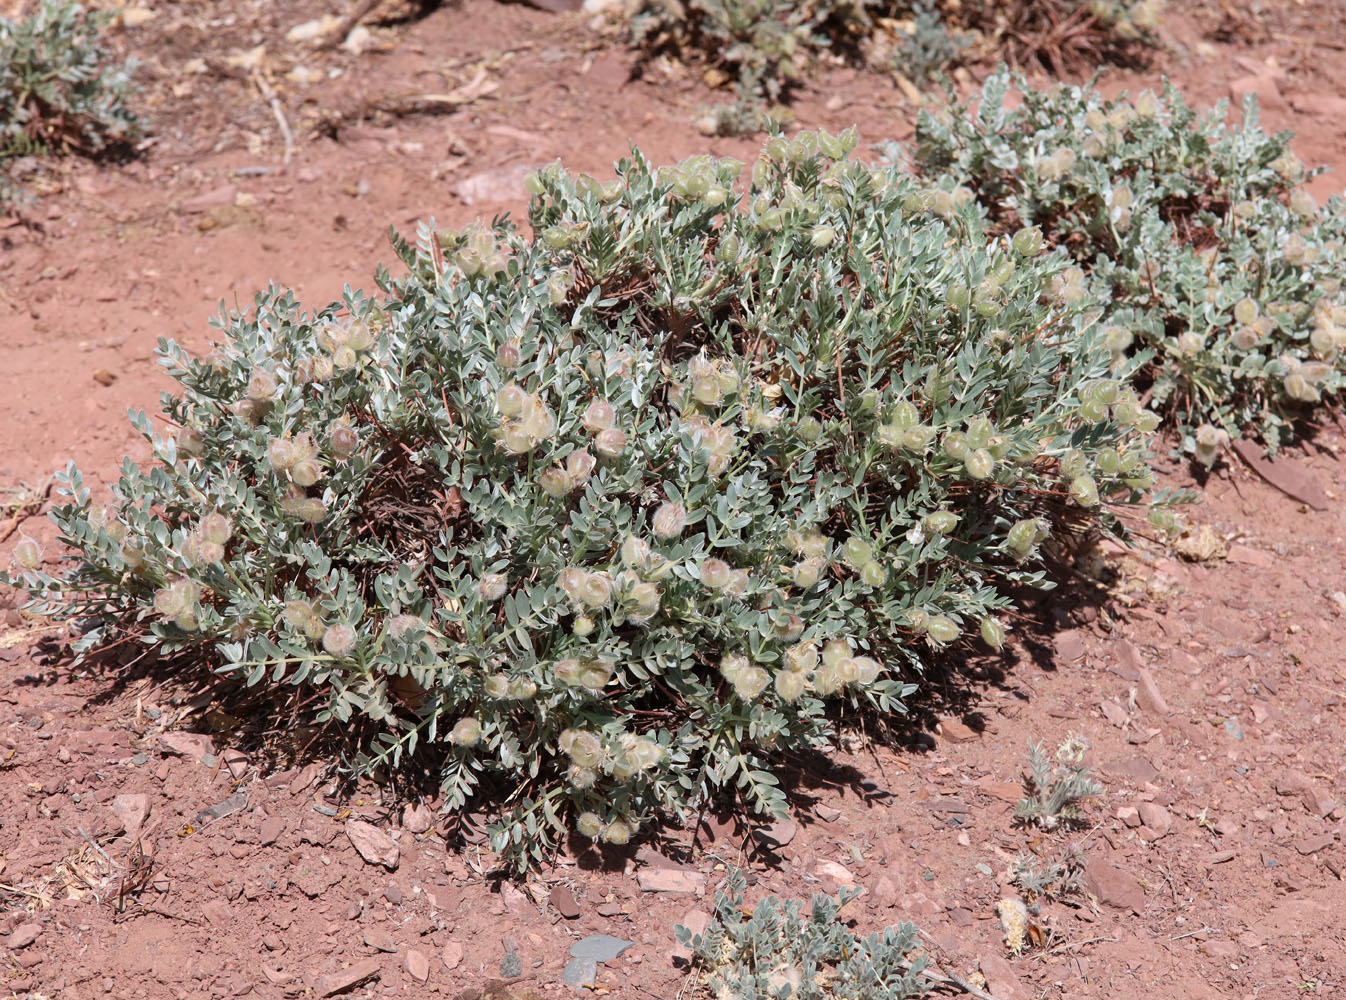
[[1057, 786], [59, 89], [777, 953], [612, 516], [1197, 237]]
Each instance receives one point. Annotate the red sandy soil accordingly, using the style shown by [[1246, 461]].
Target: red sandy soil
[[1210, 691]]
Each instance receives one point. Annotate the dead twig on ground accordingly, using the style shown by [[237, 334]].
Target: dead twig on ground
[[269, 95], [25, 508]]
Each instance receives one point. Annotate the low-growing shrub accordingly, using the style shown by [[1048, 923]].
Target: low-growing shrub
[[610, 515], [777, 953], [60, 91], [765, 47], [1196, 238]]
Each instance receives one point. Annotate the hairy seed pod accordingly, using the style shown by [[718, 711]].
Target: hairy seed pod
[[993, 632], [751, 682], [27, 554], [610, 443], [715, 573], [801, 658], [599, 416], [492, 586], [669, 520], [339, 640], [589, 825], [465, 733]]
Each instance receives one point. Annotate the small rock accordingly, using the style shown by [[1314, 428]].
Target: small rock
[[379, 940], [1001, 979], [670, 880], [1114, 713], [1129, 816], [23, 935], [580, 973], [236, 761], [828, 814], [1263, 86], [600, 947], [1312, 845], [498, 185], [1300, 785], [194, 745], [1148, 695], [417, 965], [418, 819], [339, 982], [1250, 556], [375, 846], [608, 909], [1326, 107], [211, 199], [272, 942], [696, 921], [1069, 646], [564, 902], [276, 977], [777, 835], [956, 732], [1227, 826], [104, 377], [452, 955], [131, 810], [1113, 887], [272, 828], [830, 869], [883, 893], [1005, 791], [1156, 817], [393, 894]]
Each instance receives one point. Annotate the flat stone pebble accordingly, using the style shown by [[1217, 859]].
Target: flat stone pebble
[[600, 947], [579, 973]]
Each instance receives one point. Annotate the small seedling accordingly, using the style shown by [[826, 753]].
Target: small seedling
[[1057, 787], [772, 952]]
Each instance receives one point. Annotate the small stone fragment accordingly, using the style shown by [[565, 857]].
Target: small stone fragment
[[883, 893], [1156, 817], [272, 828], [375, 846], [1113, 887], [1129, 816], [417, 965], [380, 940], [452, 955], [1114, 713], [830, 869], [956, 732], [600, 947], [580, 973], [339, 982], [131, 810], [1312, 845], [564, 902], [670, 880], [1148, 695], [104, 377], [23, 935], [777, 835], [193, 745], [236, 761], [418, 819]]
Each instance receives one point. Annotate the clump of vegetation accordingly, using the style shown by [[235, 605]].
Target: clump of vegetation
[[776, 953], [764, 48], [60, 91], [1056, 878], [1196, 238], [607, 518], [1057, 788]]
